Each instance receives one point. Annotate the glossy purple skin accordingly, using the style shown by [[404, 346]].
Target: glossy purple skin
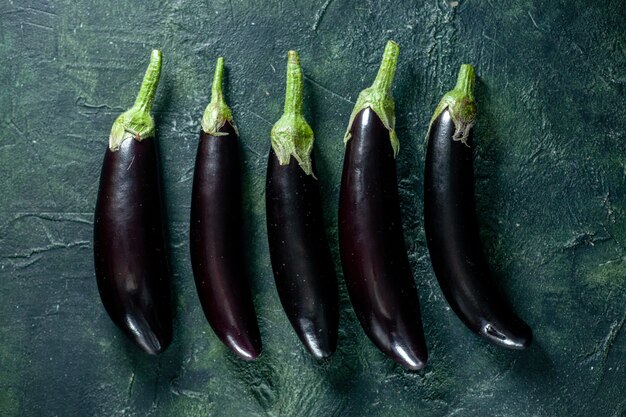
[[303, 266], [373, 254], [129, 246], [454, 242], [216, 247]]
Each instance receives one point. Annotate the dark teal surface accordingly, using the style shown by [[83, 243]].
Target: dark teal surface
[[551, 190]]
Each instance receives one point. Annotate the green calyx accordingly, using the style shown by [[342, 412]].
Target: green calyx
[[378, 97], [137, 122], [217, 113], [460, 103], [292, 135]]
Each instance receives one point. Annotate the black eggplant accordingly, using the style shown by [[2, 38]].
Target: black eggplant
[[301, 260], [215, 230], [129, 244], [451, 225], [373, 253]]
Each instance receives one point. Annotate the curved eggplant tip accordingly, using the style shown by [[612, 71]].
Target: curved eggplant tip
[[245, 349], [152, 340], [409, 358], [319, 351], [151, 344], [518, 338], [319, 347], [319, 341]]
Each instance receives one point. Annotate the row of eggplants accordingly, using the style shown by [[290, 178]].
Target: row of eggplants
[[129, 245]]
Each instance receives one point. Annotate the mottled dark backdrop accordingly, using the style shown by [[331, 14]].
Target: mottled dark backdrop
[[551, 172]]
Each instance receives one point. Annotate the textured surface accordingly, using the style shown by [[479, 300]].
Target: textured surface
[[551, 180]]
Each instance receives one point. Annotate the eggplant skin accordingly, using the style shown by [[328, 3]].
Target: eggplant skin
[[216, 246], [129, 245], [301, 260], [454, 242], [373, 253]]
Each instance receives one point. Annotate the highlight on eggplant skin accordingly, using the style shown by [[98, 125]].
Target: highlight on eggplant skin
[[371, 241], [216, 245], [131, 266], [451, 224], [301, 260]]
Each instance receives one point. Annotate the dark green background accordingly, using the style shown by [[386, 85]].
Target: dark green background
[[551, 181]]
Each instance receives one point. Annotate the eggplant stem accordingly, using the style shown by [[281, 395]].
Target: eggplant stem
[[387, 70], [217, 113], [293, 93], [147, 92], [378, 97], [292, 135], [218, 77], [465, 81], [460, 103], [137, 122]]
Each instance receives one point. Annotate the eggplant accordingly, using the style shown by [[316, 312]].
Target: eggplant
[[451, 224], [371, 241], [131, 265], [215, 230], [301, 260]]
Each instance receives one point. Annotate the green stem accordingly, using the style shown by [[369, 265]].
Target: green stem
[[378, 97], [147, 92], [295, 84], [465, 81], [292, 135], [460, 103], [387, 70], [218, 79], [137, 122], [217, 113]]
